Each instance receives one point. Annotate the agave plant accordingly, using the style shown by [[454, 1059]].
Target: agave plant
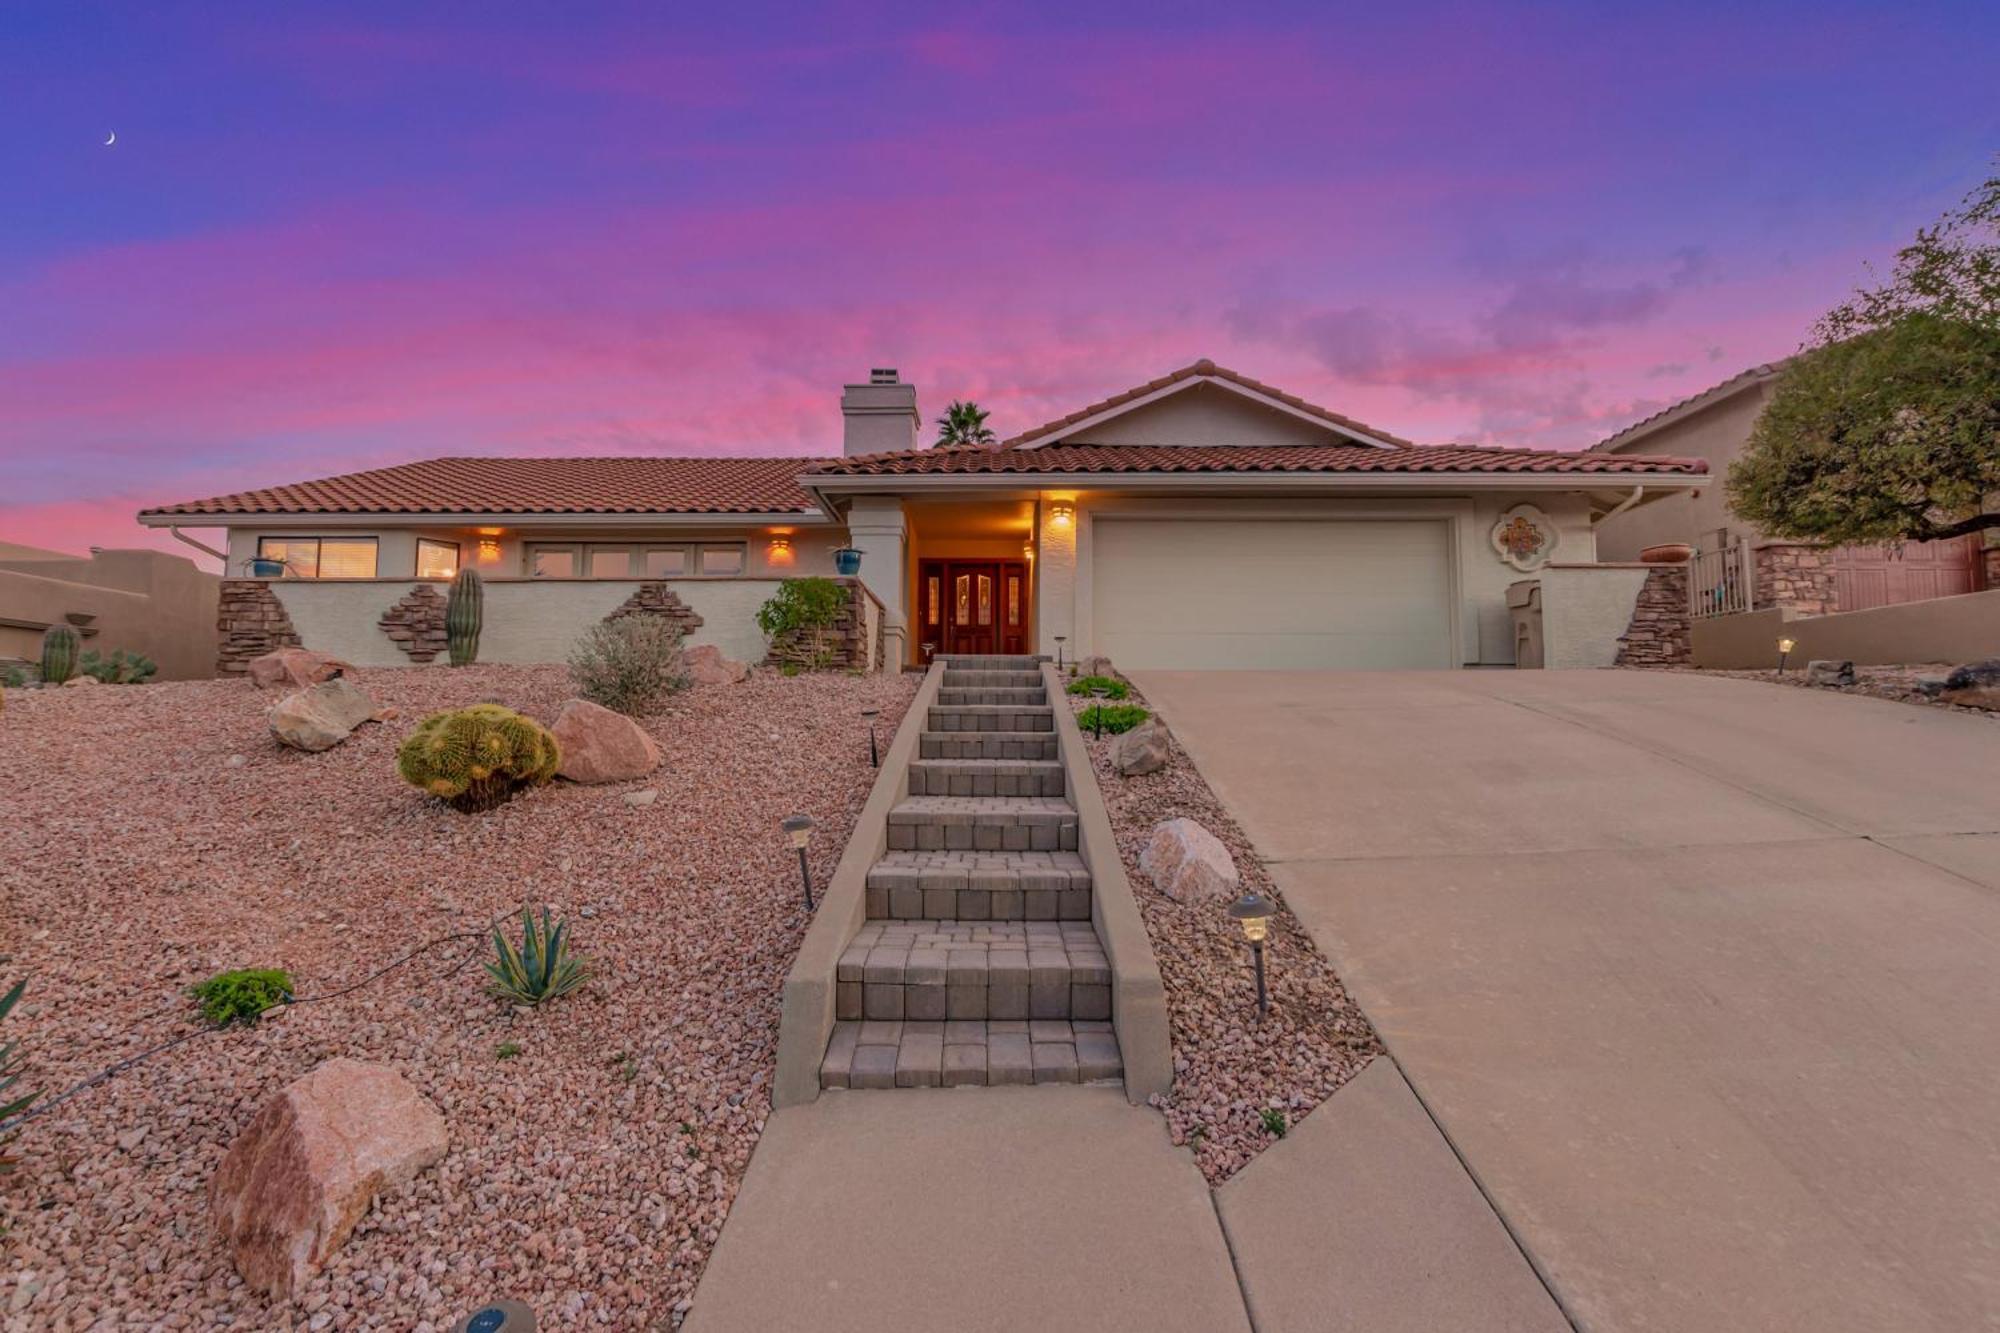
[[11, 1064], [541, 969]]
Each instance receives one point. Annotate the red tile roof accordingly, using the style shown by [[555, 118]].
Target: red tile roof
[[1334, 458], [1204, 368], [534, 486]]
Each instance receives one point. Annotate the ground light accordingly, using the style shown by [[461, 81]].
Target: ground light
[[1097, 714], [1059, 643], [799, 828], [1254, 911], [499, 1317], [1785, 647], [874, 756]]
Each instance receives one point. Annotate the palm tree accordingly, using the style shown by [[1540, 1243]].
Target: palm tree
[[964, 423]]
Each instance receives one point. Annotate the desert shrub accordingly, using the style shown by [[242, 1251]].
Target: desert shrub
[[239, 996], [1117, 717], [799, 620], [1274, 1121], [14, 677], [121, 668], [12, 1062], [1113, 689], [542, 969], [629, 665], [476, 758]]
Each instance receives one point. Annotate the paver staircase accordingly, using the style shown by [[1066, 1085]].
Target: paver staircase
[[978, 963]]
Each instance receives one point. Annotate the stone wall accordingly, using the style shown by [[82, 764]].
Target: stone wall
[[251, 622], [1660, 633], [856, 634], [416, 623], [657, 599], [1795, 577]]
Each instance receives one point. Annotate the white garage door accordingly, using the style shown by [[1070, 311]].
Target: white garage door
[[1241, 594]]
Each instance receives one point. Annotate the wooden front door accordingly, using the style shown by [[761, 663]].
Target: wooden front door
[[972, 607]]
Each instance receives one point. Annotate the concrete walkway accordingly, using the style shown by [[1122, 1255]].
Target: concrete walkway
[[1698, 975]]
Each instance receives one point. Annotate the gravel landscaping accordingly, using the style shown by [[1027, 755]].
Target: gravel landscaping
[[153, 835], [1229, 1068], [1900, 683]]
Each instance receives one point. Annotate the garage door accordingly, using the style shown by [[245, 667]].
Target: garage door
[[1241, 594]]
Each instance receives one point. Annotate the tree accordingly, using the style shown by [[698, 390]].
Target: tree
[[964, 423], [1886, 427]]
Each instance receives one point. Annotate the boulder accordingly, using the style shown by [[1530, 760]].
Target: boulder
[[1975, 685], [1141, 750], [1823, 671], [1096, 666], [305, 1170], [294, 669], [321, 716], [75, 682], [1188, 863], [707, 666], [599, 745]]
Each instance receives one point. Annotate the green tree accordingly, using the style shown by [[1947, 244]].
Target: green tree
[[964, 423], [1886, 427]]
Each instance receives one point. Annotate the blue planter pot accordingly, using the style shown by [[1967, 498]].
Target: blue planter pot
[[847, 561], [267, 569]]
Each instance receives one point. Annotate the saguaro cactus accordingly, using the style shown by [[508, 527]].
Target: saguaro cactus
[[464, 615], [59, 647]]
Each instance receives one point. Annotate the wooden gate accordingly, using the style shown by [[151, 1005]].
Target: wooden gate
[[1866, 576]]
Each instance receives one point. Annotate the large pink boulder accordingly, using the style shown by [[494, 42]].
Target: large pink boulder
[[294, 669], [707, 666], [1188, 863], [321, 716], [599, 745], [297, 1180]]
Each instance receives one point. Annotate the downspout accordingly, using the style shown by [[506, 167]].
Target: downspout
[[186, 540], [1638, 493]]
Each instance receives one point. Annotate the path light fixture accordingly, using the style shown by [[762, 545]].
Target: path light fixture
[[1097, 711], [498, 1317], [1254, 911], [874, 756], [1060, 638], [1785, 647], [799, 828]]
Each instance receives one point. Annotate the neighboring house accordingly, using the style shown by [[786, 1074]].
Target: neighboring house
[[142, 601], [1714, 426], [1203, 520]]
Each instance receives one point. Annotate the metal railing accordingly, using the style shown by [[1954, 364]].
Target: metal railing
[[1722, 582]]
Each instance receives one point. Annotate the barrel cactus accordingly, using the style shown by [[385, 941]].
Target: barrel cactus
[[476, 758], [464, 615], [59, 649]]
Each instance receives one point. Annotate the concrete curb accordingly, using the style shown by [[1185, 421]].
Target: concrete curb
[[806, 1021], [1138, 998]]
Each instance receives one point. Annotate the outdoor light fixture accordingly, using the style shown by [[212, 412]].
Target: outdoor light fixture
[[1061, 515], [780, 551], [1254, 911], [498, 1317], [874, 757], [489, 550], [1097, 713], [799, 828], [1059, 644], [1785, 647]]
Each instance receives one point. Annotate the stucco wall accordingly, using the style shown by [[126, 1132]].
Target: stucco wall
[[1206, 416], [1717, 434], [144, 601], [1944, 629], [1584, 611]]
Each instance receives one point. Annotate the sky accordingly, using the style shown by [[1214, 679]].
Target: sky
[[332, 237]]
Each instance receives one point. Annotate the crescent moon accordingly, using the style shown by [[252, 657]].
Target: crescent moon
[[112, 140]]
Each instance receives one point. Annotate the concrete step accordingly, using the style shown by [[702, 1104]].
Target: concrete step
[[950, 698], [992, 680], [985, 717], [993, 663], [979, 886], [986, 777], [937, 970], [982, 823], [970, 1053], [987, 745]]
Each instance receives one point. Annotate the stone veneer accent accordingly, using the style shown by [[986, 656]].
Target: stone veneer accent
[[1661, 633], [416, 623], [850, 633], [1795, 576], [657, 599], [251, 621]]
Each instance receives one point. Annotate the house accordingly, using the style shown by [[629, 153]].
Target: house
[[1714, 426], [141, 601], [1202, 520]]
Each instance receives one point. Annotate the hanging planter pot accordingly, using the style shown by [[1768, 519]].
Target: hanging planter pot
[[847, 561], [261, 568]]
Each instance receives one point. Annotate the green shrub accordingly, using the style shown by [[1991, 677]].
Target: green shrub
[[1117, 717], [14, 677], [629, 665], [799, 620], [1113, 689], [476, 758], [121, 668], [239, 996], [541, 969], [12, 1062], [507, 1050], [1274, 1120]]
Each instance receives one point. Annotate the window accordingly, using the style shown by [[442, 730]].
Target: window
[[321, 557], [552, 562], [931, 615], [436, 560], [668, 562], [721, 560], [1013, 601], [610, 562], [985, 599]]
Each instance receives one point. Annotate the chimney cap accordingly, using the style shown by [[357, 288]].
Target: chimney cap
[[883, 375]]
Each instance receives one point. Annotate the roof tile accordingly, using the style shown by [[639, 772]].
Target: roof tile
[[1346, 459]]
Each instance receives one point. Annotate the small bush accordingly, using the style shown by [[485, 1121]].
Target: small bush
[[1274, 1120], [476, 758], [1117, 717], [121, 668], [1113, 689], [12, 1062], [541, 969], [629, 665], [799, 620], [507, 1050], [239, 996], [14, 677]]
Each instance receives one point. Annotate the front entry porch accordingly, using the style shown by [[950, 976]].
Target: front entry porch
[[972, 585]]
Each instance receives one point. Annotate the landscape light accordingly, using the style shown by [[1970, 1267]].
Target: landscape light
[[799, 828], [874, 757], [1097, 713], [1059, 644], [1785, 647], [1254, 912], [498, 1317]]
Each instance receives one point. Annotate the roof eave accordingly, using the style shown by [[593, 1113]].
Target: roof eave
[[834, 484], [345, 519]]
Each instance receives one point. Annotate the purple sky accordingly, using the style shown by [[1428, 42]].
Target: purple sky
[[330, 237]]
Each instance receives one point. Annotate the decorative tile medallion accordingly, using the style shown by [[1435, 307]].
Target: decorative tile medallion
[[1524, 537]]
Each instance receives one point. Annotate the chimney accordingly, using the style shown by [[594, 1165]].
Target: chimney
[[880, 416]]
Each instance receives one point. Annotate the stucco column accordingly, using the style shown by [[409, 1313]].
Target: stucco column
[[1056, 525], [876, 528]]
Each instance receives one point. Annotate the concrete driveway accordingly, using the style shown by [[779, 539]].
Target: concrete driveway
[[1701, 977]]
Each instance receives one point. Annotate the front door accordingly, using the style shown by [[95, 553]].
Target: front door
[[972, 608]]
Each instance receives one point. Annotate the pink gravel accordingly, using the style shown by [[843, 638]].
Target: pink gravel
[[1228, 1066], [1898, 683], [588, 1176]]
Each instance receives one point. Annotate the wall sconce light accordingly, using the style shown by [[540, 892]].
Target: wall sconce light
[[1027, 550], [1785, 647], [799, 828], [1253, 910], [489, 550], [780, 551], [1062, 514]]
